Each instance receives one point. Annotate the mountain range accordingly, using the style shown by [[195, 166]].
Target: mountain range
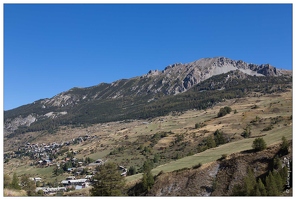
[[195, 85]]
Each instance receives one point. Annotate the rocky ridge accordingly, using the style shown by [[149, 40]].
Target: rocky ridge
[[174, 79]]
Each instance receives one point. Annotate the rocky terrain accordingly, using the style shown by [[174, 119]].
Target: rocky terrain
[[217, 178]]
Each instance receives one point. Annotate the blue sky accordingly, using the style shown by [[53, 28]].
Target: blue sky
[[51, 48]]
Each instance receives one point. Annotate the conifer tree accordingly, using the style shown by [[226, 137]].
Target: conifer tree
[[271, 187], [284, 173], [148, 180], [249, 183], [259, 144], [284, 146], [210, 142], [276, 162], [278, 181], [108, 181], [256, 191], [28, 185], [261, 187], [15, 182], [219, 138]]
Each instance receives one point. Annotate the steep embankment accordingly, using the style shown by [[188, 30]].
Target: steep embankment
[[217, 178]]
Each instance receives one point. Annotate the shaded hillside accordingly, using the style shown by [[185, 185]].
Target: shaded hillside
[[220, 177]]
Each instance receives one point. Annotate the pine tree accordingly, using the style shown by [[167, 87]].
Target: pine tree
[[132, 170], [284, 174], [219, 138], [259, 144], [276, 162], [108, 181], [278, 181], [28, 185], [256, 191], [147, 181], [271, 187], [249, 183], [15, 182], [147, 166], [284, 146], [210, 142], [261, 187]]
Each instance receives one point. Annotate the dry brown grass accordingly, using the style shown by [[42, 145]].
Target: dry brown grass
[[82, 192], [14, 193]]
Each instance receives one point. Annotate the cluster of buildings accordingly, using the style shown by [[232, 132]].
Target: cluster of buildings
[[42, 150], [72, 183], [43, 155]]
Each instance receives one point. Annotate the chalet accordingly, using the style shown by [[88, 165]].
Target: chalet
[[81, 182], [46, 162], [78, 187]]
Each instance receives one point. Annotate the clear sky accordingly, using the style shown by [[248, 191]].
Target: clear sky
[[51, 48]]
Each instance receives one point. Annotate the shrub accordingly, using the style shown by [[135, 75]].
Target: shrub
[[131, 171], [224, 111], [268, 128], [259, 144], [199, 125], [247, 132], [284, 146]]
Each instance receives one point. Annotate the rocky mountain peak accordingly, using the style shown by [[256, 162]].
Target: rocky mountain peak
[[174, 79]]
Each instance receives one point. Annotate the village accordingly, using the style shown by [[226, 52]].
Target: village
[[81, 171]]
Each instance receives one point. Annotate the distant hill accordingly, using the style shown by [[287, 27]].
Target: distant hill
[[179, 87]]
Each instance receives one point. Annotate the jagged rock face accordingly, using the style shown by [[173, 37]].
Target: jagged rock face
[[267, 70], [12, 124], [61, 100]]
